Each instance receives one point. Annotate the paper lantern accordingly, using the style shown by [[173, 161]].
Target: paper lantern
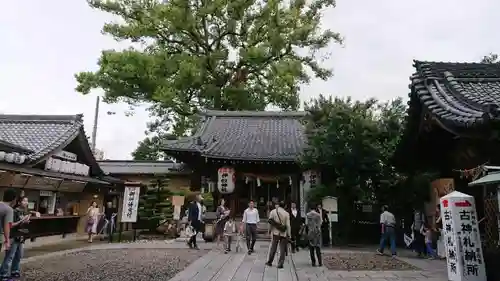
[[227, 179]]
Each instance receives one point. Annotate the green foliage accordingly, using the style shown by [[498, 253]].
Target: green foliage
[[154, 205], [150, 148], [217, 54], [490, 58], [352, 144], [208, 201], [353, 141]]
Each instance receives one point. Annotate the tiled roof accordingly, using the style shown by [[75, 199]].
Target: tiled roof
[[246, 135], [458, 94], [117, 167], [10, 147], [40, 134]]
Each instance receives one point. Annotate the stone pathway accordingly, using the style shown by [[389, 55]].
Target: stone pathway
[[217, 266], [431, 270]]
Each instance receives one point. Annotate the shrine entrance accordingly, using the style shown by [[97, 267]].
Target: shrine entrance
[[262, 192]]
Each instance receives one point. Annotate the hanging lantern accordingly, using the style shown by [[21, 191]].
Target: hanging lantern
[[290, 181], [258, 182], [247, 180], [227, 178], [277, 184]]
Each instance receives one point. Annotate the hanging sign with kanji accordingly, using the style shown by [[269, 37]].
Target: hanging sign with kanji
[[227, 179], [130, 203], [464, 254]]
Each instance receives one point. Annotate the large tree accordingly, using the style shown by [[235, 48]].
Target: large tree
[[216, 54], [352, 143], [490, 58]]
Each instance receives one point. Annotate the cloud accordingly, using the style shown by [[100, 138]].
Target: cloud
[[44, 43]]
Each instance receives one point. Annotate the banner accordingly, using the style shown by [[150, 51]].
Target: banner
[[130, 203]]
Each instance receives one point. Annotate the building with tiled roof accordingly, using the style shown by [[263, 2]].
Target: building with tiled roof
[[451, 106], [145, 172], [245, 136], [452, 130], [257, 150], [49, 160]]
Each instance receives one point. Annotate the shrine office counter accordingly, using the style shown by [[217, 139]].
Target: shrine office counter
[[48, 225]]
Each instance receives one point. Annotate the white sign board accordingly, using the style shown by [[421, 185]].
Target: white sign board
[[66, 155], [329, 204], [464, 254], [333, 217], [226, 181], [130, 203]]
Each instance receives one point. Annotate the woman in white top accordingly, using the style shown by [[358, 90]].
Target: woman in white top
[[92, 220]]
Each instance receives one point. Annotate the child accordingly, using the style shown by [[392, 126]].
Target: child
[[428, 234], [229, 233]]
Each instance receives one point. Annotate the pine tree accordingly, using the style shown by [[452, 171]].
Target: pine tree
[[155, 206]]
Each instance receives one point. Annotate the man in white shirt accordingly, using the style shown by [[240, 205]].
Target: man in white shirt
[[250, 220], [388, 231], [295, 223]]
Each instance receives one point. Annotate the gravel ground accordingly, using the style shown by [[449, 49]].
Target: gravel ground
[[111, 265], [364, 261]]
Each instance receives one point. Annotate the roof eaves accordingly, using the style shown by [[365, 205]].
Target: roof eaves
[[285, 114], [253, 158], [89, 155], [42, 118], [15, 148], [110, 161], [63, 141]]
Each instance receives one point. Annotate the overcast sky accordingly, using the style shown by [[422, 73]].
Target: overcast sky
[[44, 43]]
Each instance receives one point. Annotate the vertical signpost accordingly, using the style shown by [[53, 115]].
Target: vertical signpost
[[464, 254], [130, 203], [330, 205]]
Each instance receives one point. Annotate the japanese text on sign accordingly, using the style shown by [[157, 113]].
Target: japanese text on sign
[[130, 203], [462, 240], [226, 180]]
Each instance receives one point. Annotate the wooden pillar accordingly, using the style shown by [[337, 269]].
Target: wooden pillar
[[295, 190], [195, 181]]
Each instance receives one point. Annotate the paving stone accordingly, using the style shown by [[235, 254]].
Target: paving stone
[[381, 274]]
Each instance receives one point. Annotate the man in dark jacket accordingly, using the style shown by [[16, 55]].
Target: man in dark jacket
[[195, 220], [296, 223]]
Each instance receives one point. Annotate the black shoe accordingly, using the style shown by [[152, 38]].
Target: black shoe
[[196, 248], [249, 252], [279, 266], [189, 245], [320, 264], [313, 264], [269, 264]]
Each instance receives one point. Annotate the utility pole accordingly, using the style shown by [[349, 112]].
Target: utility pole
[[96, 120]]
